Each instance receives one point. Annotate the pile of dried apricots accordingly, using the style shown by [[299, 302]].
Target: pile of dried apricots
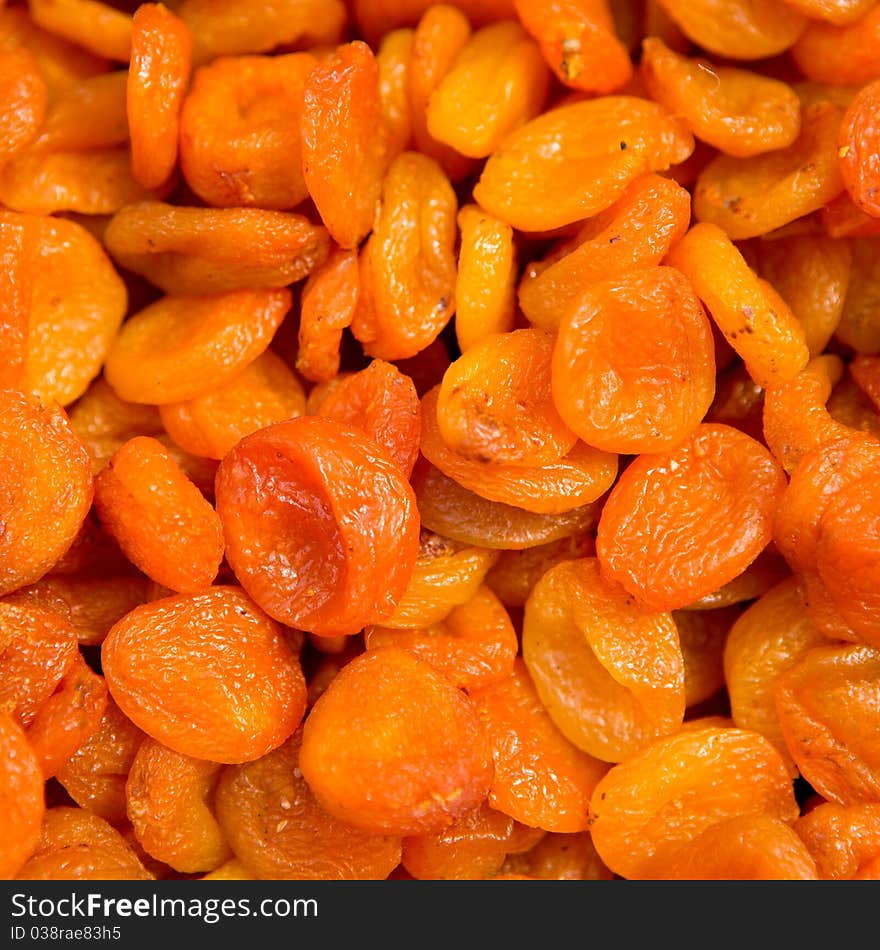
[[440, 440]]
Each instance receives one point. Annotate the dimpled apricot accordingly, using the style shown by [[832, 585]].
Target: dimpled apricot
[[210, 250], [264, 392], [412, 773], [860, 149], [824, 703], [635, 232], [275, 825], [495, 405], [576, 479], [70, 333], [343, 141], [381, 402], [450, 509], [577, 159], [751, 196], [21, 798], [148, 661], [769, 638], [240, 142], [505, 68], [762, 329], [610, 675], [640, 812], [578, 41], [541, 779], [169, 800], [474, 645], [294, 500], [182, 347], [737, 111], [634, 362], [744, 848], [158, 517], [677, 526], [738, 29], [407, 266], [95, 776], [46, 493], [75, 845]]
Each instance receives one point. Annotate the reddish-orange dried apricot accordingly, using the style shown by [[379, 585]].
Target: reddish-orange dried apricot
[[264, 392], [859, 141], [414, 773], [578, 41], [474, 645], [343, 142], [381, 402], [294, 499], [158, 517], [640, 813], [47, 478], [635, 232], [541, 779], [168, 801], [608, 384], [677, 526], [148, 661], [183, 347], [610, 675], [327, 307], [21, 798], [161, 48], [273, 823], [843, 839], [95, 776], [577, 159]]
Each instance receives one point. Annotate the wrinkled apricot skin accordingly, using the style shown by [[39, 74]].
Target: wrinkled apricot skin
[[274, 823], [635, 232], [576, 160], [190, 709], [414, 774], [717, 492], [610, 675], [343, 140], [304, 556], [606, 381], [859, 149], [407, 266], [541, 779], [634, 819], [844, 840], [159, 518], [161, 48], [47, 488], [21, 798], [24, 95]]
